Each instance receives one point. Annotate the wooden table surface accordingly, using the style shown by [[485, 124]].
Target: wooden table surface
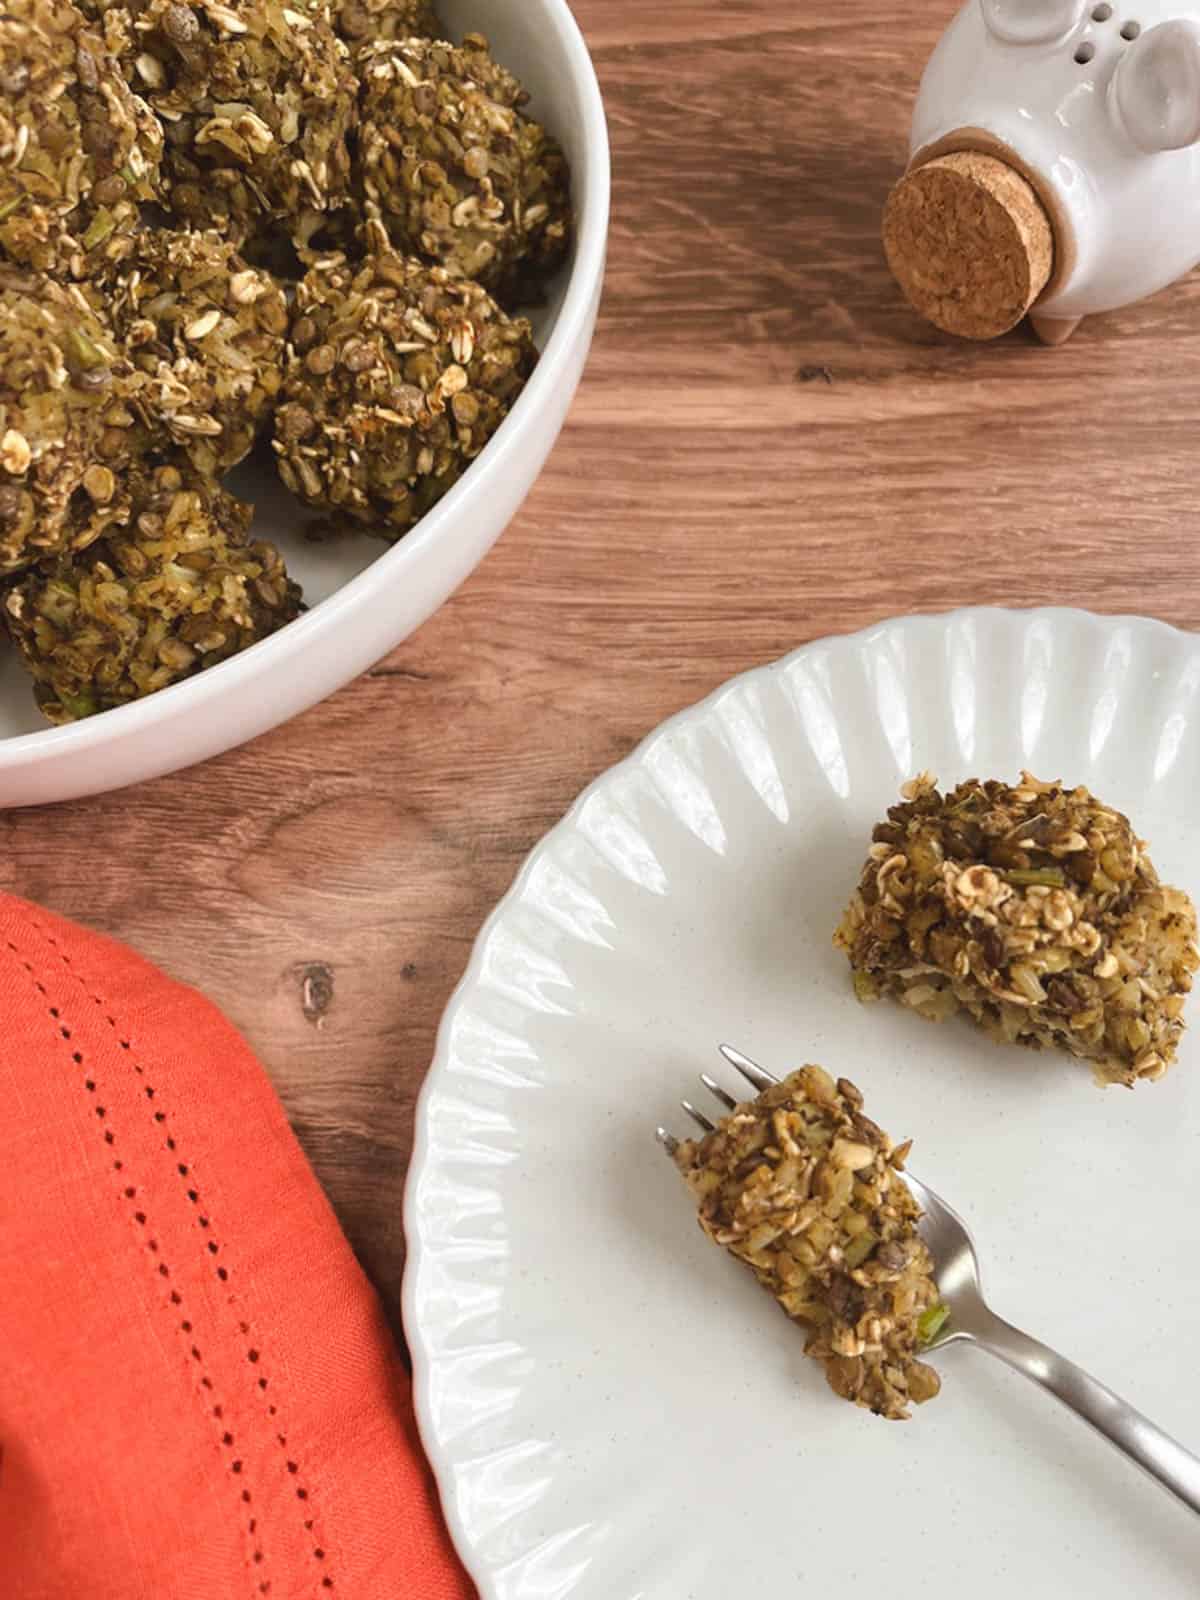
[[767, 447]]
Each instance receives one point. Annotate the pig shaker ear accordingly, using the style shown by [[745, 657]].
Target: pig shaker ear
[[1032, 21], [1156, 88]]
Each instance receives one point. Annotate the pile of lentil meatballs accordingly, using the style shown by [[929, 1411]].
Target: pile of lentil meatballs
[[309, 221]]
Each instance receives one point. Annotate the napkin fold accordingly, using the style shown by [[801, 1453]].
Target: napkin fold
[[199, 1397]]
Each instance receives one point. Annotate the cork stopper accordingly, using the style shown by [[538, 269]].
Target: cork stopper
[[969, 242]]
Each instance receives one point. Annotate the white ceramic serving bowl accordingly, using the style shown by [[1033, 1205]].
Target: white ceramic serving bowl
[[364, 598]]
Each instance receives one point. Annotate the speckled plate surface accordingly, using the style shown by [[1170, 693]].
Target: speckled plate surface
[[613, 1409]]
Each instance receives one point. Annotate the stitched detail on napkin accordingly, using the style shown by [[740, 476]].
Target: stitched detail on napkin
[[215, 1249], [129, 1190]]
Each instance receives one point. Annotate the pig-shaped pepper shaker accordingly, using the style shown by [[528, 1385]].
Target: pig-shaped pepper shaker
[[1055, 164]]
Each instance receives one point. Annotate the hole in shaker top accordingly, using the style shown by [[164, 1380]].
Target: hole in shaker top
[[1085, 53], [1102, 13], [1131, 30]]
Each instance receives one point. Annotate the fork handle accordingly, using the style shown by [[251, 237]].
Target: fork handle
[[1175, 1468]]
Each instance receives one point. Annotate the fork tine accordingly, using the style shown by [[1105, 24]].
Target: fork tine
[[714, 1088], [934, 1207], [750, 1070], [668, 1140], [697, 1116]]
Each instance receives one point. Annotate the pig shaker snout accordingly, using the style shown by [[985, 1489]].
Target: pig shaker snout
[[1054, 164]]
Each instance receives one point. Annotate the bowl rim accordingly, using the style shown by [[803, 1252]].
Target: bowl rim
[[24, 750]]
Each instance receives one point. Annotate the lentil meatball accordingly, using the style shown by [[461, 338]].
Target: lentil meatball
[[257, 98], [207, 333], [397, 375], [66, 424], [454, 167], [1033, 909], [177, 589], [361, 21], [78, 150], [805, 1190]]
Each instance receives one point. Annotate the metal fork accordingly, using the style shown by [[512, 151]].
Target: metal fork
[[972, 1321]]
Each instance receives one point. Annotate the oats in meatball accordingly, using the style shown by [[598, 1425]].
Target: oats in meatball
[[207, 333], [805, 1190], [66, 425], [257, 99], [78, 150], [396, 377], [454, 167], [1037, 912], [177, 588], [363, 21]]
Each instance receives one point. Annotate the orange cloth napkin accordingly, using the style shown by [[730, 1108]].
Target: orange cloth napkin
[[199, 1398]]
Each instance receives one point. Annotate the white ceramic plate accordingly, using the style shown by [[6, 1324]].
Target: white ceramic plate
[[364, 597], [614, 1410]]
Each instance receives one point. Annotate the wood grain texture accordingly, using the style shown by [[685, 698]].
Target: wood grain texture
[[768, 446]]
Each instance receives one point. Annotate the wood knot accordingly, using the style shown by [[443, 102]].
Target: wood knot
[[316, 991]]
